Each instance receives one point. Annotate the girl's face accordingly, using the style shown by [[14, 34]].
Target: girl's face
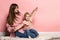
[[27, 17], [16, 10]]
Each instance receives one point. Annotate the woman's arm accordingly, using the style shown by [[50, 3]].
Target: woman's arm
[[9, 28], [18, 27], [18, 22], [21, 25]]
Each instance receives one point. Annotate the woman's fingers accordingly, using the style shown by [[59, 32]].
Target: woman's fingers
[[10, 29]]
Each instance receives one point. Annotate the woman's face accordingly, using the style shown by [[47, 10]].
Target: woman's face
[[27, 17], [16, 10]]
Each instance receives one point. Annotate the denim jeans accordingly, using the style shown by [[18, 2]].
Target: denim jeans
[[32, 33]]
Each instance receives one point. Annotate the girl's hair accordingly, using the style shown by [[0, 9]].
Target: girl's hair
[[25, 15], [12, 14]]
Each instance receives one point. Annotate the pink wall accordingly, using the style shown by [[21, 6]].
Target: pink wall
[[47, 17]]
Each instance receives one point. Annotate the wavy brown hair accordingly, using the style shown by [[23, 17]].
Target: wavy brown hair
[[12, 14]]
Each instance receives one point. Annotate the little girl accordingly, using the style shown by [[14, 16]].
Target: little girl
[[27, 27]]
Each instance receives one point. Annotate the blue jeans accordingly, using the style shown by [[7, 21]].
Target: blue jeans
[[32, 33]]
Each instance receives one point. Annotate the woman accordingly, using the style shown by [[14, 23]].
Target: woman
[[14, 18]]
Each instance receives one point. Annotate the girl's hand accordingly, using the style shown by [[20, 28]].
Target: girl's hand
[[32, 13], [35, 9], [25, 22]]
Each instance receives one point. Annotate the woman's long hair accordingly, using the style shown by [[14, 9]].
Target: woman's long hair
[[12, 14]]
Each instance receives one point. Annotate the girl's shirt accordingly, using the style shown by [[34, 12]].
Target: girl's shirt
[[28, 24]]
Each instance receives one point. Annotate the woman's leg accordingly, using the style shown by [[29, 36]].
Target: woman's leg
[[21, 35]]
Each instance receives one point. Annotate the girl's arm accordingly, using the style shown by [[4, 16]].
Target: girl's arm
[[32, 13], [29, 23]]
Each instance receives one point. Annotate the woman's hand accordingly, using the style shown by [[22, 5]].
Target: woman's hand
[[25, 22], [10, 29]]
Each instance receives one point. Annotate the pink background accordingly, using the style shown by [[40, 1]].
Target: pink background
[[46, 19]]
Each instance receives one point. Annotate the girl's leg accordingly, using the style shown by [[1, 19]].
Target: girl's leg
[[30, 34], [21, 35], [34, 32]]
